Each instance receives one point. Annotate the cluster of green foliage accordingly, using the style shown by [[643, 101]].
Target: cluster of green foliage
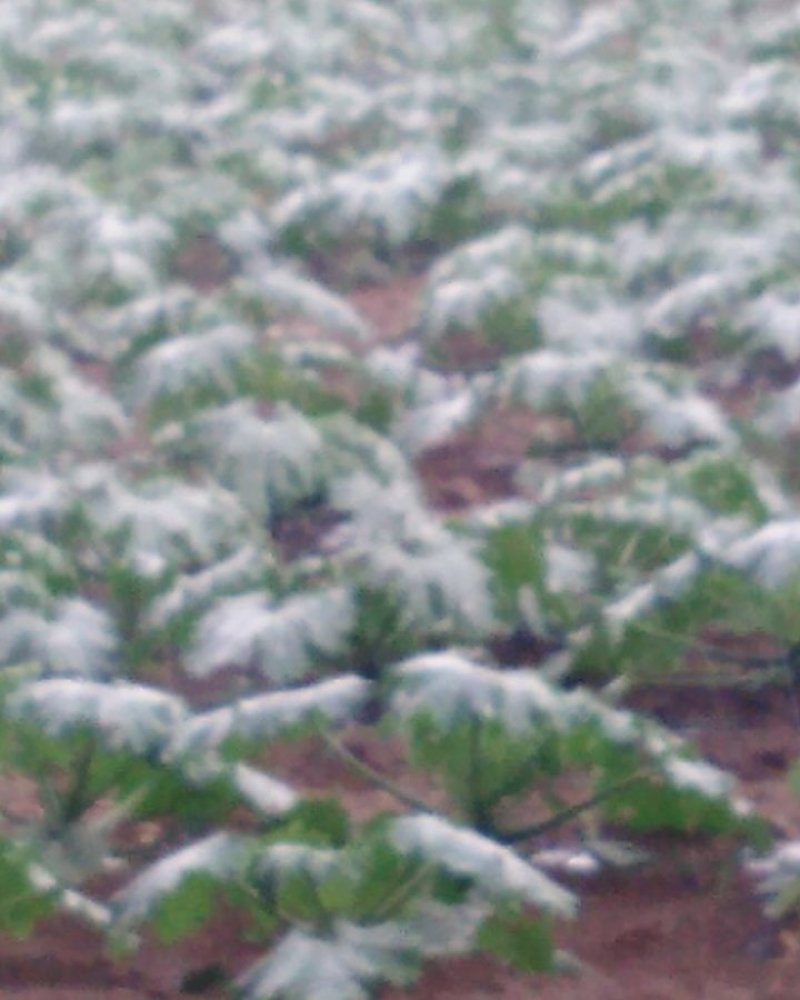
[[210, 461]]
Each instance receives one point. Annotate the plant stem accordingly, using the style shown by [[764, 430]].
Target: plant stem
[[374, 777], [398, 897], [513, 778], [718, 679], [715, 653], [570, 812], [323, 918], [476, 806], [74, 802]]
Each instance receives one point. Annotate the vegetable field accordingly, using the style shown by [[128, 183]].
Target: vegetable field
[[400, 499]]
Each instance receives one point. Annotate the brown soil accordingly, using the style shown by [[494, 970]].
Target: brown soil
[[685, 927], [479, 465]]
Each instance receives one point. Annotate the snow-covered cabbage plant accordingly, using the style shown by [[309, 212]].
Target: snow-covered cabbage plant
[[423, 371]]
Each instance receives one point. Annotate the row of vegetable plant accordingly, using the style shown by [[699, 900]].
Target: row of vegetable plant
[[597, 205]]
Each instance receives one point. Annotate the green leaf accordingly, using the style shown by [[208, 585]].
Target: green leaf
[[317, 822], [515, 554], [450, 889], [21, 905], [207, 794], [297, 897], [726, 485], [184, 911], [648, 806], [220, 857], [387, 883], [524, 942]]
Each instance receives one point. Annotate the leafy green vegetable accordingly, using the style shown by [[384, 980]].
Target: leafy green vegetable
[[341, 356]]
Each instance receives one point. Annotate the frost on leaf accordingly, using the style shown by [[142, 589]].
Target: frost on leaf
[[352, 447], [194, 593], [394, 544], [666, 585], [220, 855], [88, 418], [703, 296], [343, 965], [293, 294], [496, 870], [677, 420], [265, 795], [283, 641], [74, 638], [771, 555], [647, 240], [478, 279], [268, 464], [450, 687], [161, 523], [122, 716], [699, 777], [266, 716], [389, 192], [427, 407], [778, 879], [781, 415], [425, 426], [193, 361], [592, 477], [548, 378], [774, 320], [580, 316], [32, 500]]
